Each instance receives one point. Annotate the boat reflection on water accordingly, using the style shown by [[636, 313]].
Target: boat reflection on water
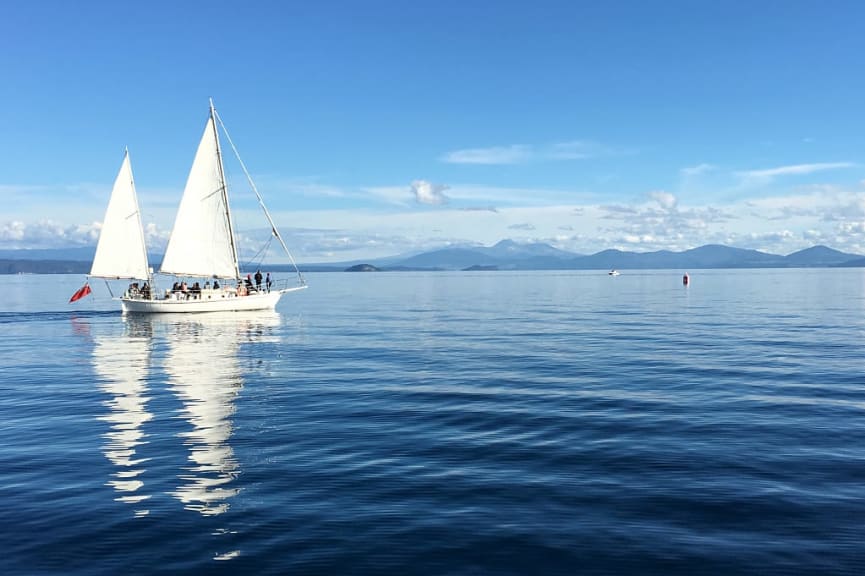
[[122, 365], [198, 356], [205, 373]]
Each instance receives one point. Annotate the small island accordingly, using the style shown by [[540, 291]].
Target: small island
[[480, 268], [363, 268]]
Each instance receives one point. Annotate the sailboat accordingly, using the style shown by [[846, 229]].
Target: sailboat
[[202, 245]]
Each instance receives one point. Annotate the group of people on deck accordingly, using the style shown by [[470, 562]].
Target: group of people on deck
[[186, 291], [134, 291], [246, 287], [182, 290]]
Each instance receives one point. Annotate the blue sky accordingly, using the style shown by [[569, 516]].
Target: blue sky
[[375, 128]]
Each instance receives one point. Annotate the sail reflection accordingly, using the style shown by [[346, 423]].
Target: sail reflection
[[204, 372], [122, 366]]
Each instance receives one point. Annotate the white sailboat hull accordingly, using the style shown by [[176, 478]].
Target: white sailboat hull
[[226, 302]]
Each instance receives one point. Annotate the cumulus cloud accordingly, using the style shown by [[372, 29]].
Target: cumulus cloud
[[856, 228], [47, 234], [660, 223], [12, 231], [666, 200], [428, 193], [576, 221]]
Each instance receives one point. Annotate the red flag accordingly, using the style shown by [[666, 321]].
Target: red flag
[[82, 292]]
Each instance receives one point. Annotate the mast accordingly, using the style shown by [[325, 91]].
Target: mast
[[138, 218], [224, 192], [270, 221]]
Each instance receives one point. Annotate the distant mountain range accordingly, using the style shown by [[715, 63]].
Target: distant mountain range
[[510, 255], [506, 255]]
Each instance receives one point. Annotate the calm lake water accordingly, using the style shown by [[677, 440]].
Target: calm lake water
[[441, 423]]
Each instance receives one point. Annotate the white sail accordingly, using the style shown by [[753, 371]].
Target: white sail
[[201, 242], [120, 252]]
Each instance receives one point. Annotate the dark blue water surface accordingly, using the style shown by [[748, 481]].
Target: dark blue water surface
[[441, 423]]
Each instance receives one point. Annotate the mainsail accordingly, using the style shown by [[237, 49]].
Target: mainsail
[[202, 243], [120, 252]]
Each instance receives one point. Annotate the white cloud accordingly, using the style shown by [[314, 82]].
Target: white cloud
[[568, 219], [514, 154], [796, 169], [696, 170], [666, 200], [857, 228], [50, 234], [819, 203], [428, 193], [519, 153], [47, 234]]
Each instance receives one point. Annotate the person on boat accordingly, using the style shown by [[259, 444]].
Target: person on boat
[[258, 279], [268, 282], [216, 284], [196, 291], [175, 287], [241, 289], [249, 287], [145, 291]]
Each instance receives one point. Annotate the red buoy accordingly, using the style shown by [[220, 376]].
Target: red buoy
[[686, 279]]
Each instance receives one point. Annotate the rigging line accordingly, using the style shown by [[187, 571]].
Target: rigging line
[[273, 229], [224, 187], [262, 252]]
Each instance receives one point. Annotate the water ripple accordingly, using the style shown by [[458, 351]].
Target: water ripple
[[445, 424]]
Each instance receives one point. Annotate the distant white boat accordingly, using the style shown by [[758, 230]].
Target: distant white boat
[[614, 272], [202, 246]]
